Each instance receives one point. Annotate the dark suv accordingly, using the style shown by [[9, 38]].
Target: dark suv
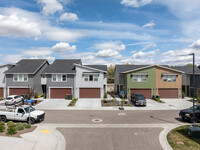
[[138, 99], [187, 114]]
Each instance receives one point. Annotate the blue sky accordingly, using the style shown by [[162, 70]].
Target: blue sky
[[101, 31]]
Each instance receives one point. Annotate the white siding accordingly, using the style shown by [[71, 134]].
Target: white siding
[[81, 83]]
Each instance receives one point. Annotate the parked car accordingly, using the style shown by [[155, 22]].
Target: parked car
[[21, 113], [13, 99], [138, 99], [187, 114], [122, 94]]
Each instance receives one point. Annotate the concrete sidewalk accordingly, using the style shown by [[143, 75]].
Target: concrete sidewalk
[[42, 138]]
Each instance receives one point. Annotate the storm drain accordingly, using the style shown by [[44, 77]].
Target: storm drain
[[122, 114], [97, 120]]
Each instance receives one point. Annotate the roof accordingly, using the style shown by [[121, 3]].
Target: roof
[[124, 68], [62, 66], [99, 67], [130, 68], [7, 65], [187, 69], [29, 66]]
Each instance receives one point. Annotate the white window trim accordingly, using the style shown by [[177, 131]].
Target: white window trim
[[171, 78], [141, 78], [93, 77], [18, 77], [57, 78]]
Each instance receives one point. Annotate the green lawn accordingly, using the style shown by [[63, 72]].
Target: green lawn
[[179, 140]]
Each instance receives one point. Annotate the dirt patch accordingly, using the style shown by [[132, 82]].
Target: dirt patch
[[106, 103], [18, 132]]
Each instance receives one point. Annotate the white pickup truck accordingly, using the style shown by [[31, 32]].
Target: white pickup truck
[[21, 113]]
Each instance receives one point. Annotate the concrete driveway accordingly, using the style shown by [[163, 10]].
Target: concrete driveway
[[90, 103], [53, 104]]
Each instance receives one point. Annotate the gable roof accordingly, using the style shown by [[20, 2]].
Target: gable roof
[[27, 66], [125, 69], [99, 67], [187, 69], [62, 66]]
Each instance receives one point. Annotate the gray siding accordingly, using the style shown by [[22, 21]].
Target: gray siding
[[69, 83], [37, 79]]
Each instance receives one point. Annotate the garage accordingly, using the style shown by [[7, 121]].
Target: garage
[[1, 92], [59, 92], [168, 92], [145, 92], [89, 93], [18, 91]]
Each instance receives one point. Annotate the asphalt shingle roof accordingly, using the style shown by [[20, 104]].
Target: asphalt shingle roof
[[100, 67], [62, 66], [29, 66], [187, 69]]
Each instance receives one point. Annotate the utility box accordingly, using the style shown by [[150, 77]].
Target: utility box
[[194, 131]]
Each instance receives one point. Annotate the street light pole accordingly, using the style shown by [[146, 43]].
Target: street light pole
[[193, 116]]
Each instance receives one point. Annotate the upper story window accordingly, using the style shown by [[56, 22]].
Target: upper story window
[[169, 78], [139, 78], [59, 78], [88, 77], [20, 77]]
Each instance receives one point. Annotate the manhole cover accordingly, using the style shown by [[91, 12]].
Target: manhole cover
[[97, 120], [122, 114]]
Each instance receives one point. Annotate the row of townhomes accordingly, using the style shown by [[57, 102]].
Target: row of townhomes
[[55, 80], [70, 76]]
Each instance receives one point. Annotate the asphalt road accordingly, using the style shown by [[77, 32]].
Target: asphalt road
[[113, 117], [112, 139]]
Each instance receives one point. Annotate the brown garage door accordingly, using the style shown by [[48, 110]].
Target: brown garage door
[[59, 92], [18, 91], [168, 93], [145, 92], [89, 93], [1, 92]]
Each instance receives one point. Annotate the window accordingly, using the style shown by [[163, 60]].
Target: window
[[20, 77], [165, 78], [169, 78], [59, 77], [20, 111], [174, 78], [139, 78], [90, 77]]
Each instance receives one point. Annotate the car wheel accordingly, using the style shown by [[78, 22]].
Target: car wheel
[[193, 120], [32, 121], [3, 118]]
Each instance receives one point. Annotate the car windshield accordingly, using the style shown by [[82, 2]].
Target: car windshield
[[139, 97], [27, 109], [195, 107], [9, 98]]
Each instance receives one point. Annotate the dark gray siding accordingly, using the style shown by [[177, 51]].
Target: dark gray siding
[[9, 81], [197, 84]]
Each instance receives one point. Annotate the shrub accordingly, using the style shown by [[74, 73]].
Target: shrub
[[183, 95], [113, 100], [104, 100], [27, 126], [2, 123], [10, 124], [19, 126], [11, 131], [75, 99], [2, 127], [198, 98], [105, 95], [1, 98]]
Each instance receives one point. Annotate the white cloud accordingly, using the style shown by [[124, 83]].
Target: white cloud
[[49, 58], [34, 52], [50, 6], [17, 26], [196, 45], [141, 54], [151, 24], [14, 58], [149, 46], [135, 3], [68, 17], [109, 49], [63, 47]]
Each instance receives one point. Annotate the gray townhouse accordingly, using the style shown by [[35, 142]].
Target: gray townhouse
[[4, 68], [69, 76], [187, 79], [25, 77]]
